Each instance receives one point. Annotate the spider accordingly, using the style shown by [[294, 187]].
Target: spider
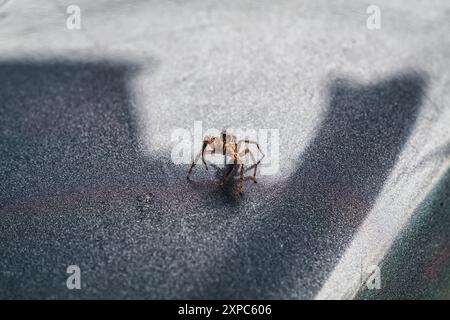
[[227, 144]]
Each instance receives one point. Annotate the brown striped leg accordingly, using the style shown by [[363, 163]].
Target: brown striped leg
[[241, 180], [252, 142], [202, 153], [243, 153], [241, 186]]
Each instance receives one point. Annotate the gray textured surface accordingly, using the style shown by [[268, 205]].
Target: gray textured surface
[[86, 118]]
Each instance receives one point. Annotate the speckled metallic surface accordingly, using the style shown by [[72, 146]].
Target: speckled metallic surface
[[86, 118]]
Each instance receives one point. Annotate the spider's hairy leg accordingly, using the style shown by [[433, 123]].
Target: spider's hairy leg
[[243, 154], [202, 154], [224, 147], [206, 153], [252, 142], [205, 144], [241, 179]]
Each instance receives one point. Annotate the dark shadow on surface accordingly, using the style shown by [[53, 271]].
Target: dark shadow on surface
[[296, 243], [65, 124], [226, 194], [72, 172], [69, 158], [77, 189]]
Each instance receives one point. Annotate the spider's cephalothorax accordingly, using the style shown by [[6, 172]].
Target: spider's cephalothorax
[[227, 145]]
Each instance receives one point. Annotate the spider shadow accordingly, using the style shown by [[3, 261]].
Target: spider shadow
[[231, 187], [222, 192]]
